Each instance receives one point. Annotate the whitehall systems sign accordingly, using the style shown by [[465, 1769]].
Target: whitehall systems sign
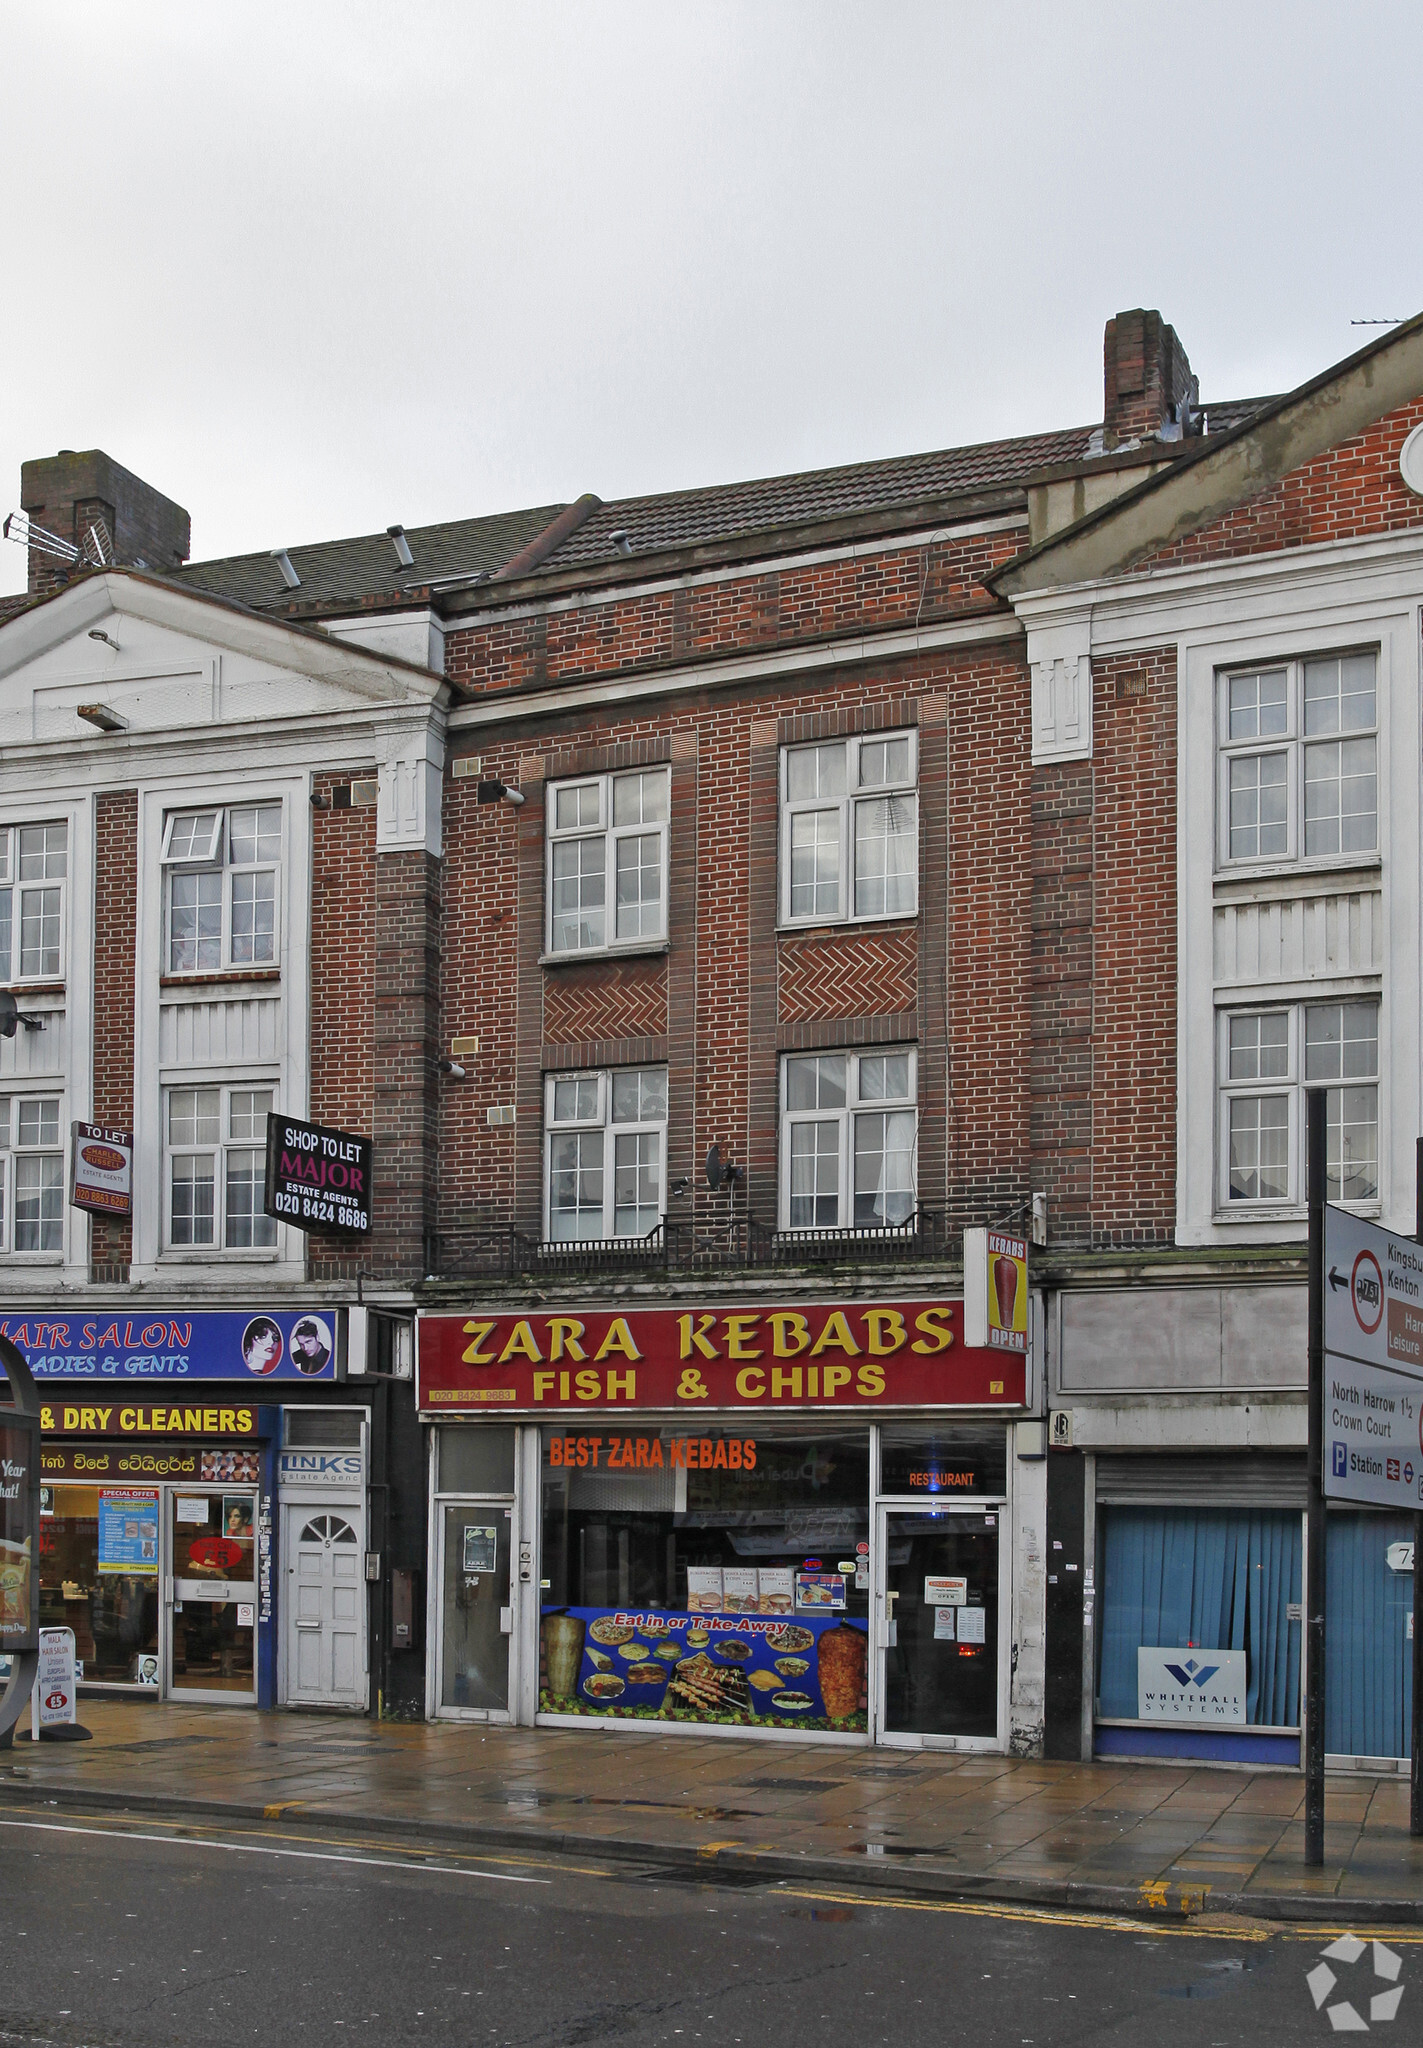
[[1373, 1363]]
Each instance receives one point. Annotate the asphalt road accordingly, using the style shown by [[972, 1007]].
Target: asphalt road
[[118, 1935]]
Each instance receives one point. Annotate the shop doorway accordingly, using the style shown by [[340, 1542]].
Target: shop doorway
[[211, 1614], [326, 1598], [940, 1653], [477, 1640]]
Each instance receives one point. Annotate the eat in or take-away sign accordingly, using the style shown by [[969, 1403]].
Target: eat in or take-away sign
[[317, 1178]]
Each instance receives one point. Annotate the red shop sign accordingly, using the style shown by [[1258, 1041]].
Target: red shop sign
[[872, 1354], [214, 1553]]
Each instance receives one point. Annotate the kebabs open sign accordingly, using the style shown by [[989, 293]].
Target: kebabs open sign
[[817, 1355], [317, 1178]]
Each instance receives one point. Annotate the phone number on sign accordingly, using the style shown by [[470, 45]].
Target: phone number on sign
[[314, 1209]]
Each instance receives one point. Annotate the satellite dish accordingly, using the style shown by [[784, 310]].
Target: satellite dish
[[10, 1015], [719, 1170], [714, 1165]]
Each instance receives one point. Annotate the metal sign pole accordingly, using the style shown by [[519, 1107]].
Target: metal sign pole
[[1415, 1809], [1316, 1100]]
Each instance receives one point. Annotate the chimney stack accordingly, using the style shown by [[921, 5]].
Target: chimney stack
[[1150, 392], [68, 493]]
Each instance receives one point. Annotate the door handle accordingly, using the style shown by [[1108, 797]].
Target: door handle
[[506, 1621], [890, 1597], [308, 1624]]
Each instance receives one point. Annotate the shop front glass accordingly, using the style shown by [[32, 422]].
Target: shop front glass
[[99, 1577], [213, 1547], [722, 1579], [1199, 1632]]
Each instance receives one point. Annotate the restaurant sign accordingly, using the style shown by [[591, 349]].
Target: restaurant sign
[[832, 1354]]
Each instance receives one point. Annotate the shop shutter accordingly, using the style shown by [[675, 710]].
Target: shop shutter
[[1215, 1480]]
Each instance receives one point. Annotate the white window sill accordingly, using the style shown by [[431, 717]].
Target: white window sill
[[30, 1262], [801, 927], [216, 1255], [1319, 868], [639, 949], [1286, 1212]]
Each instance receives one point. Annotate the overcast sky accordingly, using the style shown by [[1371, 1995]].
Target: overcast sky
[[314, 267]]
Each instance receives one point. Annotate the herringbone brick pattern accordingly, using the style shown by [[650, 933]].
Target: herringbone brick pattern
[[847, 974], [615, 999]]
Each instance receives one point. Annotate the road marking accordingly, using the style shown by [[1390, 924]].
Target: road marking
[[55, 1827]]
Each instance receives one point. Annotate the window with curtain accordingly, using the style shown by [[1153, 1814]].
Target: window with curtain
[[1208, 1578]]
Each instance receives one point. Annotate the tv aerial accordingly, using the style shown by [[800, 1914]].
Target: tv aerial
[[720, 1172], [95, 551]]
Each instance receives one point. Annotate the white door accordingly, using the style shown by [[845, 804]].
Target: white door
[[326, 1608]]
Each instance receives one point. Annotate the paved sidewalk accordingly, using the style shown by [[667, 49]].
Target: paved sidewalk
[[1106, 1835]]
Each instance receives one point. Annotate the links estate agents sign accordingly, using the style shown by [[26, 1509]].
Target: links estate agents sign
[[317, 1178], [819, 1355]]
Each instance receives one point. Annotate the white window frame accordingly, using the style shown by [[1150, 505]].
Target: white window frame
[[611, 836], [1289, 1087], [216, 859], [600, 1119], [12, 1152], [846, 807], [16, 889], [217, 1149], [1295, 745], [844, 1119]]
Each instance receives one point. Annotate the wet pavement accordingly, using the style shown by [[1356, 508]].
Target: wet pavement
[[995, 1826]]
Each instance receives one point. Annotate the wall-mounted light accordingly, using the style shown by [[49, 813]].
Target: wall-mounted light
[[95, 633]]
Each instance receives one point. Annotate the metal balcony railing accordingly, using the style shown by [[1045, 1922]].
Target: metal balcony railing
[[707, 1243]]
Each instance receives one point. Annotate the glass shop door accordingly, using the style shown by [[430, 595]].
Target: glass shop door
[[476, 1609], [938, 1628], [211, 1611]]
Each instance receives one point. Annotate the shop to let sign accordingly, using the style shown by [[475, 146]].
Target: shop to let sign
[[317, 1178], [818, 1355], [101, 1173]]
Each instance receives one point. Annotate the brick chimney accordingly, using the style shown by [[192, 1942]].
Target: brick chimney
[[68, 493], [1150, 392]]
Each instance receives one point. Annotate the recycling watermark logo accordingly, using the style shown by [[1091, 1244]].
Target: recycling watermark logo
[[1344, 2014]]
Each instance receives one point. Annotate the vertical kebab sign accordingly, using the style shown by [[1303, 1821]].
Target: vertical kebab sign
[[995, 1290], [317, 1178]]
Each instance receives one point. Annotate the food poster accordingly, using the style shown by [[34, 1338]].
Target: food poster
[[740, 1590], [128, 1533], [742, 1670]]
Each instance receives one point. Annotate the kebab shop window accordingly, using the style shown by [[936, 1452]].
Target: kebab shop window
[[719, 1578]]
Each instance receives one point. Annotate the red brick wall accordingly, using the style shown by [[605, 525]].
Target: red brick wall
[[115, 927], [343, 926], [732, 615], [1352, 490], [1134, 950], [735, 995]]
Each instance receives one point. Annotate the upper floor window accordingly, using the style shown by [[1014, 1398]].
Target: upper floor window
[[1299, 760], [34, 868], [850, 829], [607, 860], [606, 1139], [215, 1140], [31, 1174], [1268, 1058], [848, 1141], [221, 869]]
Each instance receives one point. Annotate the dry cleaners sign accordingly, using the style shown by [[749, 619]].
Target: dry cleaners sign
[[317, 1178], [1202, 1688]]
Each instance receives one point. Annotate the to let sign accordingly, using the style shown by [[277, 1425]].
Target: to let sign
[[101, 1174], [855, 1354], [317, 1178]]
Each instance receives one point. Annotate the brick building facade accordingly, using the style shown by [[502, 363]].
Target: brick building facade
[[763, 886]]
